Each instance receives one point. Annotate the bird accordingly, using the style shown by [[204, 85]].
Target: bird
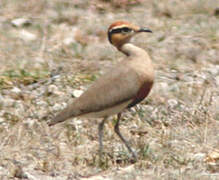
[[121, 87]]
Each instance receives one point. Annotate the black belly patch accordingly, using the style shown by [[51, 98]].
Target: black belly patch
[[142, 93]]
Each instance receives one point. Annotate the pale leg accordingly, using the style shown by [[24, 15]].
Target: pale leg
[[100, 133], [123, 139]]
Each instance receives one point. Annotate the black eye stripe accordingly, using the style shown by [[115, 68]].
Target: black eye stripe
[[119, 30]]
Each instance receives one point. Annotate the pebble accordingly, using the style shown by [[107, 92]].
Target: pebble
[[41, 103], [1, 99], [19, 107], [26, 35], [1, 120], [20, 22], [172, 103], [77, 93], [69, 40], [30, 122], [174, 88], [161, 87], [16, 90], [213, 70], [147, 108], [8, 102], [217, 80], [52, 89], [4, 172], [58, 107], [199, 156]]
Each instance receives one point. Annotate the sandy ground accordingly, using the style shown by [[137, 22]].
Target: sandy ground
[[51, 51]]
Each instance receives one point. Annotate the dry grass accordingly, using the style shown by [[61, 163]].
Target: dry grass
[[175, 131]]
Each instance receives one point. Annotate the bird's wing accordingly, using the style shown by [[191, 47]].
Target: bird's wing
[[119, 85], [115, 87]]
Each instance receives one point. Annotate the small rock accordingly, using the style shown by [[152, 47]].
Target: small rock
[[36, 175], [19, 107], [8, 102], [58, 107], [199, 156], [217, 80], [161, 87], [20, 22], [174, 88], [19, 173], [69, 40], [77, 93], [16, 90], [41, 103], [214, 70], [1, 120], [2, 112], [212, 157], [53, 89], [172, 103], [128, 169], [30, 122], [1, 99], [147, 108], [188, 78], [26, 35], [3, 171]]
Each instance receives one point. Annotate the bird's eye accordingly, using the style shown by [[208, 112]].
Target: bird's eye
[[125, 30]]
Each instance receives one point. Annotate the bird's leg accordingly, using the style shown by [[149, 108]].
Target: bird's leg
[[100, 133], [116, 128]]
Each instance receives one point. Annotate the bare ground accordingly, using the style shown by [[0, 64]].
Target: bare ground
[[51, 49]]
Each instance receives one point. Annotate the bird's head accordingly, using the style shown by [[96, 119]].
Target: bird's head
[[120, 32]]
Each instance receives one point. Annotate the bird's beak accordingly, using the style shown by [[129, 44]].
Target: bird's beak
[[144, 30]]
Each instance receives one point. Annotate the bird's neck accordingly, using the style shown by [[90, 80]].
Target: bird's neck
[[131, 50]]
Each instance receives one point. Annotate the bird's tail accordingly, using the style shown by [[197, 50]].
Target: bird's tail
[[62, 116]]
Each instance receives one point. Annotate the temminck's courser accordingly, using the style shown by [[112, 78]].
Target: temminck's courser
[[123, 86]]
